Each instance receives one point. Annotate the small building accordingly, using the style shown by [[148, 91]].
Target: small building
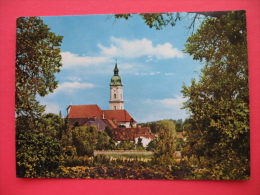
[[132, 134]]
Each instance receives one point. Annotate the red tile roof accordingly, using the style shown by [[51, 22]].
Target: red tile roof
[[118, 115], [110, 123], [123, 134], [84, 111], [87, 111]]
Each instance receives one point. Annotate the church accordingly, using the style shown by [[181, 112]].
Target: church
[[122, 124]]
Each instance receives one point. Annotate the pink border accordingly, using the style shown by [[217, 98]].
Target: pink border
[[10, 185]]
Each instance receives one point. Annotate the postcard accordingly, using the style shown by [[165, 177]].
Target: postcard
[[133, 96]]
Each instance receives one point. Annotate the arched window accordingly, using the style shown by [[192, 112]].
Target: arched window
[[115, 96], [115, 107]]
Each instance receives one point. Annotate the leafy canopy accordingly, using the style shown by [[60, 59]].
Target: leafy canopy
[[37, 60], [219, 102]]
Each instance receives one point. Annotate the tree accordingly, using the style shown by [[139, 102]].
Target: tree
[[160, 20], [103, 141], [51, 124], [85, 139], [139, 145], [179, 125], [165, 145], [156, 20], [151, 146], [37, 155], [219, 101], [37, 60], [126, 145]]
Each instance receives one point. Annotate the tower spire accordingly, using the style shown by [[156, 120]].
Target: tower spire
[[116, 91], [116, 69]]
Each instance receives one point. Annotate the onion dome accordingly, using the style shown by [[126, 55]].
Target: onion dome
[[116, 79]]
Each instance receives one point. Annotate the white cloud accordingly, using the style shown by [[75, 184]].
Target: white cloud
[[70, 60], [150, 58], [72, 78], [168, 108], [70, 87], [153, 73], [137, 48], [177, 101], [169, 74], [144, 73]]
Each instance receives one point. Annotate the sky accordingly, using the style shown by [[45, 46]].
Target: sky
[[151, 63]]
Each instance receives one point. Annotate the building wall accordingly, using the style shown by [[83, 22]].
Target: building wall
[[116, 98], [127, 124], [116, 105]]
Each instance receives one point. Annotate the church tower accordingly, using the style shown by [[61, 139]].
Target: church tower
[[116, 91]]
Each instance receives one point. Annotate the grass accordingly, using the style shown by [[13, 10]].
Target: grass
[[126, 154]]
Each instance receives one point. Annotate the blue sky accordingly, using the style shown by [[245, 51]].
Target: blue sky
[[151, 64]]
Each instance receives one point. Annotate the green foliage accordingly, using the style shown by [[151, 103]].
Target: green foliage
[[178, 125], [126, 145], [85, 139], [67, 139], [109, 132], [38, 151], [165, 145], [69, 151], [37, 155], [219, 101], [106, 168], [73, 161], [103, 141], [37, 60], [155, 20], [179, 144], [51, 124], [139, 145], [151, 146], [112, 143], [140, 156]]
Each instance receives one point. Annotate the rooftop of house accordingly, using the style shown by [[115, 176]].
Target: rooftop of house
[[111, 124], [124, 134], [84, 111], [118, 115], [87, 111]]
